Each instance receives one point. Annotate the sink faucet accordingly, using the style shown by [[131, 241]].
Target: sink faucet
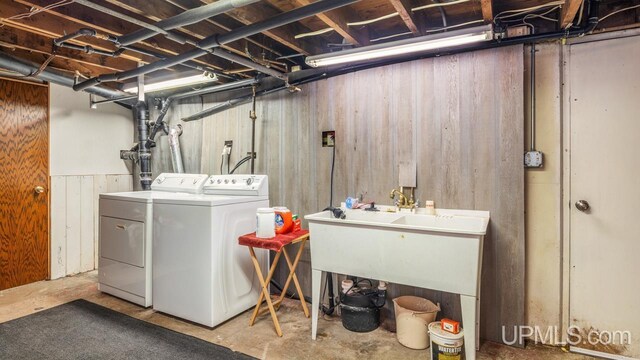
[[402, 201]]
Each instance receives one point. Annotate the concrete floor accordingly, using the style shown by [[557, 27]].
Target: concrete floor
[[334, 342]]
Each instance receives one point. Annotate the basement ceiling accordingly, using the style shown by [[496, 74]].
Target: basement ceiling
[[28, 28]]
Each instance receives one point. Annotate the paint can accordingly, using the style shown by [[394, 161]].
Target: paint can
[[445, 345]]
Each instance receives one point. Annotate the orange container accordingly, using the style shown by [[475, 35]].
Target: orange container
[[284, 220], [449, 325]]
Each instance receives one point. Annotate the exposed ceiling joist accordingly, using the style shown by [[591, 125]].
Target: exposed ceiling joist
[[63, 20], [285, 34], [337, 20], [487, 11], [16, 38], [403, 7], [189, 4], [156, 11], [569, 11]]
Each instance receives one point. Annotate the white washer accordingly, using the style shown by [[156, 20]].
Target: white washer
[[126, 233], [200, 272]]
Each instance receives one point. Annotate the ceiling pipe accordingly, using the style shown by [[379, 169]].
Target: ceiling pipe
[[215, 41], [160, 124], [188, 17], [26, 69], [251, 64], [586, 29]]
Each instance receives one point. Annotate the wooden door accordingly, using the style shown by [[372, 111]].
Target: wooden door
[[24, 164], [604, 296]]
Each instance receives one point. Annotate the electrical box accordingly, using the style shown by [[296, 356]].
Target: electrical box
[[533, 159], [328, 138]]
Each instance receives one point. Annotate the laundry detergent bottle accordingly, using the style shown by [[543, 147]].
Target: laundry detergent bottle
[[284, 220]]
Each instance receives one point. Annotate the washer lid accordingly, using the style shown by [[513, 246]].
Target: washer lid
[[143, 196], [209, 200]]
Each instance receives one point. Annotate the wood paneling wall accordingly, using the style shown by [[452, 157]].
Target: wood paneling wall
[[75, 219], [459, 117]]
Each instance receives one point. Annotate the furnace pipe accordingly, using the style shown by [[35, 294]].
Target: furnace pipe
[[216, 41], [141, 116]]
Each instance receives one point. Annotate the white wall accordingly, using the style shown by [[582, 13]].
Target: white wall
[[87, 141], [85, 161]]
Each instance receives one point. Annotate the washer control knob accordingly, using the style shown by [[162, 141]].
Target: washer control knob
[[226, 181], [233, 181], [210, 181], [219, 181], [249, 181]]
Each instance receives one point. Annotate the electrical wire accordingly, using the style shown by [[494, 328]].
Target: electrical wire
[[34, 11], [454, 26], [221, 163], [391, 36], [518, 12], [618, 11], [333, 164], [314, 33], [438, 5], [371, 21]]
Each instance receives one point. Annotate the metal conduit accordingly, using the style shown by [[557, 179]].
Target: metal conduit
[[215, 41]]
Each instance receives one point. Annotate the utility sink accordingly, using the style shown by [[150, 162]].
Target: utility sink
[[440, 252], [449, 221]]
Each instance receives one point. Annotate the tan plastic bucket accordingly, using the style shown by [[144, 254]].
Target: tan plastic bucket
[[413, 315]]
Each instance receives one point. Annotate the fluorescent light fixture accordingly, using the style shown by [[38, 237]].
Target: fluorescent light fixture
[[173, 83], [407, 46]]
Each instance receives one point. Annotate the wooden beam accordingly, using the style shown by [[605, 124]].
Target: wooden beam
[[59, 63], [569, 12], [189, 4], [487, 11], [66, 19], [155, 11], [337, 19], [16, 38], [284, 34], [403, 7]]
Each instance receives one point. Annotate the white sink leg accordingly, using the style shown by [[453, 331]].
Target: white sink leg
[[469, 324], [316, 281]]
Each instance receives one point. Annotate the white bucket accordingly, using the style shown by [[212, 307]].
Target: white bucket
[[413, 314], [445, 345]]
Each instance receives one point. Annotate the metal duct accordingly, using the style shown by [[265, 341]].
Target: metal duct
[[215, 41], [174, 149], [26, 69], [185, 18]]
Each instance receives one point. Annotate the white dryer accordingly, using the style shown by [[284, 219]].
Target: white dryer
[[200, 272], [126, 235]]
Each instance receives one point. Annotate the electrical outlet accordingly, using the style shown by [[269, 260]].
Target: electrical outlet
[[228, 145], [533, 159], [328, 138], [255, 155]]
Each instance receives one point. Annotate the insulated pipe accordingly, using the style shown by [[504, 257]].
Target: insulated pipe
[[26, 69], [185, 18], [216, 41]]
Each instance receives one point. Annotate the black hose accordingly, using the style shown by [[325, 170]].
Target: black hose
[[244, 160]]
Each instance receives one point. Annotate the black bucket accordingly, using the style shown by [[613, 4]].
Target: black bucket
[[359, 310]]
